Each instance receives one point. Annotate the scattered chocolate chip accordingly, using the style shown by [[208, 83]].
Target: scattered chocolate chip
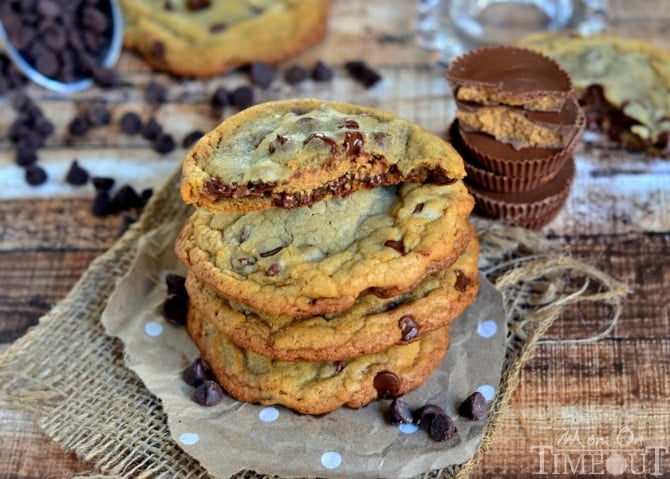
[[362, 73], [397, 245], [152, 129], [164, 144], [102, 204], [146, 195], [400, 412], [220, 98], [98, 114], [102, 183], [25, 155], [425, 414], [79, 125], [102, 76], [175, 309], [442, 428], [194, 5], [76, 175], [321, 72], [197, 373], [130, 123], [191, 138], [296, 74], [408, 328], [242, 97], [262, 74], [176, 284], [155, 93], [474, 407], [209, 393], [35, 175], [126, 198], [387, 384]]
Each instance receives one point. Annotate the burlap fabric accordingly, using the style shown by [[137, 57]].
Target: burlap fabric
[[72, 377]]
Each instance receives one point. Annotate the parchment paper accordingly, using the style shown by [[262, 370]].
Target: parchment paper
[[231, 436]]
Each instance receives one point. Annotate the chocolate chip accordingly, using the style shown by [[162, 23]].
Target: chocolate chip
[[191, 138], [362, 73], [157, 51], [98, 114], [175, 309], [220, 98], [79, 125], [400, 412], [408, 328], [102, 183], [176, 284], [424, 416], [146, 195], [164, 144], [217, 27], [321, 72], [242, 97], [326, 139], [272, 252], [35, 175], [130, 123], [474, 407], [102, 76], [350, 124], [194, 5], [76, 175], [209, 393], [197, 373], [273, 269], [397, 245], [418, 208], [262, 74], [462, 281], [387, 384], [126, 198], [295, 74], [155, 93], [152, 129], [25, 155], [442, 428], [102, 204], [353, 143]]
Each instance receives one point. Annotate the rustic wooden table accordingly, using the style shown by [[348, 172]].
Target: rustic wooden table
[[580, 409]]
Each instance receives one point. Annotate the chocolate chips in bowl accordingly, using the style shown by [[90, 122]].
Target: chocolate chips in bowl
[[63, 46]]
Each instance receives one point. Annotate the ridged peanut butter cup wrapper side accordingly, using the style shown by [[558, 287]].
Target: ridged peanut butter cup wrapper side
[[503, 159], [508, 75], [531, 209]]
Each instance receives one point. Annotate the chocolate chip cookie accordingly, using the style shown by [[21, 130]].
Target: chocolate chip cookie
[[316, 387], [371, 325], [294, 153], [210, 37], [320, 259]]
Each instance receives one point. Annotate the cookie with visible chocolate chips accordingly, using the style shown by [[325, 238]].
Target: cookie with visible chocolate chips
[[316, 387], [319, 259], [294, 153], [210, 37], [371, 325]]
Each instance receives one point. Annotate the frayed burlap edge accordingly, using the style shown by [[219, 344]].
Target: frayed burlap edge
[[72, 377]]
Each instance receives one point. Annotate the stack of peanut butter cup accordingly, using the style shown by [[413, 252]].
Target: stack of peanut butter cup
[[329, 250], [517, 124]]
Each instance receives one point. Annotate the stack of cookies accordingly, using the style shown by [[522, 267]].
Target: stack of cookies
[[329, 251], [517, 124]]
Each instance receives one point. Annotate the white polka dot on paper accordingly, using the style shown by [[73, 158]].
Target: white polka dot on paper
[[408, 428], [153, 329], [487, 391], [268, 414], [487, 329], [189, 438], [331, 460]]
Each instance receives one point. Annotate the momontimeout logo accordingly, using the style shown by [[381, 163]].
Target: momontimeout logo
[[620, 453]]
